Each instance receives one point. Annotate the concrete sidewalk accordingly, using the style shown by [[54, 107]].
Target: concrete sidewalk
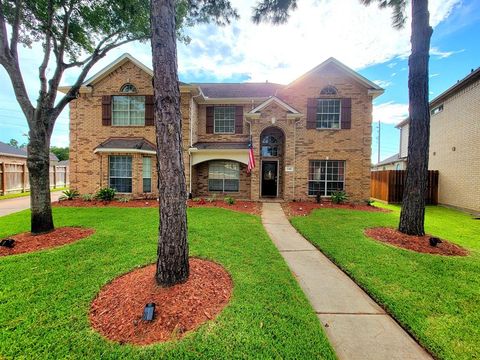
[[10, 206], [356, 326]]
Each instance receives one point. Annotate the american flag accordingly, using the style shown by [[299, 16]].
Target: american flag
[[251, 158]]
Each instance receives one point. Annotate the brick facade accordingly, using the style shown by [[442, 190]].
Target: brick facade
[[89, 170]]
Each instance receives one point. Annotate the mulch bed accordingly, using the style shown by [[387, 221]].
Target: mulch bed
[[415, 243], [249, 207], [117, 311], [305, 208], [27, 242]]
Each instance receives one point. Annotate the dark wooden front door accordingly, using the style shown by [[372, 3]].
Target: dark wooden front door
[[269, 178]]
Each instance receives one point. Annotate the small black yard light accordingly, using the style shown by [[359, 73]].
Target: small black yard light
[[149, 312], [434, 241], [8, 243]]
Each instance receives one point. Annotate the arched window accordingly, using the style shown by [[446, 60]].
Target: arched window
[[128, 88], [271, 143], [329, 90]]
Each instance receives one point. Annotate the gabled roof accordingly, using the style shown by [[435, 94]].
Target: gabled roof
[[9, 150], [239, 90], [375, 89], [276, 100]]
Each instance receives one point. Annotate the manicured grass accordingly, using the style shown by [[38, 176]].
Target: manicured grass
[[436, 298], [45, 296], [27, 193]]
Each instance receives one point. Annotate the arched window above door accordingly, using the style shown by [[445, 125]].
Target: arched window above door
[[271, 142]]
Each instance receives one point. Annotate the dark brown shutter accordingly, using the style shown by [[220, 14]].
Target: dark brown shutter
[[312, 113], [106, 110], [149, 100], [209, 119], [346, 113], [238, 119]]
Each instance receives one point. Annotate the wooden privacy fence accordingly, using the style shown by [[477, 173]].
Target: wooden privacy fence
[[388, 186], [14, 177]]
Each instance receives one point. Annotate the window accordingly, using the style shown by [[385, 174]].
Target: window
[[328, 114], [128, 88], [436, 110], [326, 176], [224, 119], [128, 110], [147, 174], [329, 90], [120, 171], [224, 176], [270, 146]]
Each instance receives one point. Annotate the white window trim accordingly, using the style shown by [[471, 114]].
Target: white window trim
[[339, 115], [214, 120], [129, 111], [223, 180], [327, 181], [117, 177]]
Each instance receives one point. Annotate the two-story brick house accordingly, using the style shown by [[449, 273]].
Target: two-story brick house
[[311, 135]]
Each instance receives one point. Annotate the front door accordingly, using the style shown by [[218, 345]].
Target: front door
[[269, 178]]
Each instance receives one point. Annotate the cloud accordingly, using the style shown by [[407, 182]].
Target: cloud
[[383, 83], [390, 112], [444, 54]]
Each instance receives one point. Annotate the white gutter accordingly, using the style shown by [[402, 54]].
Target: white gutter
[[128, 151]]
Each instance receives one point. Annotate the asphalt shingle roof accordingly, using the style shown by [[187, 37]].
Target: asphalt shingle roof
[[12, 151], [239, 90], [127, 144]]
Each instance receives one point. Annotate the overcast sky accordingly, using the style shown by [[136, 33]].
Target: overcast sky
[[361, 37]]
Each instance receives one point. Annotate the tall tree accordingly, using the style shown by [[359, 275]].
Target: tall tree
[[62, 153], [13, 143], [73, 34], [172, 250], [413, 206]]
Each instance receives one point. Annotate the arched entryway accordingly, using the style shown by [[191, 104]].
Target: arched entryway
[[272, 144]]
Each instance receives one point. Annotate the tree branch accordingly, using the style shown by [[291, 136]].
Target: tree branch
[[16, 28], [46, 57]]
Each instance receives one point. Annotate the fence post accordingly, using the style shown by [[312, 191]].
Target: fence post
[[54, 177], [24, 177]]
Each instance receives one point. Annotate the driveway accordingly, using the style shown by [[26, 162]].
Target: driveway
[[11, 206]]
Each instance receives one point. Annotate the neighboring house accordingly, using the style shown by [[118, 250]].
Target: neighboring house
[[312, 135], [454, 142], [394, 162], [11, 154]]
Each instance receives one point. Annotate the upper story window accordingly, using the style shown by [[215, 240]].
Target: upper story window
[[436, 110], [128, 88], [128, 110], [224, 119], [329, 90], [328, 114]]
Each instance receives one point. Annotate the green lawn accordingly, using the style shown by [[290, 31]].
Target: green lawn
[[45, 296], [27, 193], [436, 298]]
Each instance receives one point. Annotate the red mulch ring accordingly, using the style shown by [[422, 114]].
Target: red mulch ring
[[114, 203], [117, 310], [249, 207], [27, 242], [305, 208], [416, 243]]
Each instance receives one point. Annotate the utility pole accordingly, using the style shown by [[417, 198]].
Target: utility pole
[[378, 160]]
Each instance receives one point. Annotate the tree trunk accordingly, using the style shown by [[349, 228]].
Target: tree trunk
[[413, 206], [38, 163], [172, 261]]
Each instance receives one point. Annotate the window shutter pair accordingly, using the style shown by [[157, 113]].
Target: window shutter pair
[[346, 113], [238, 119], [107, 110]]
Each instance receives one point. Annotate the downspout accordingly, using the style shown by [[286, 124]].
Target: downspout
[[294, 155], [191, 142]]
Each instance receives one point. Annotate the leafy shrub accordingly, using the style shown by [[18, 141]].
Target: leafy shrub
[[369, 202], [87, 197], [69, 195], [105, 194], [229, 200], [339, 197], [212, 199], [124, 200]]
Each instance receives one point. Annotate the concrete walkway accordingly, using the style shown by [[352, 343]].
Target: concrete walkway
[[10, 206], [356, 326]]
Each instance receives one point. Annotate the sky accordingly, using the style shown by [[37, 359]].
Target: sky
[[361, 37]]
